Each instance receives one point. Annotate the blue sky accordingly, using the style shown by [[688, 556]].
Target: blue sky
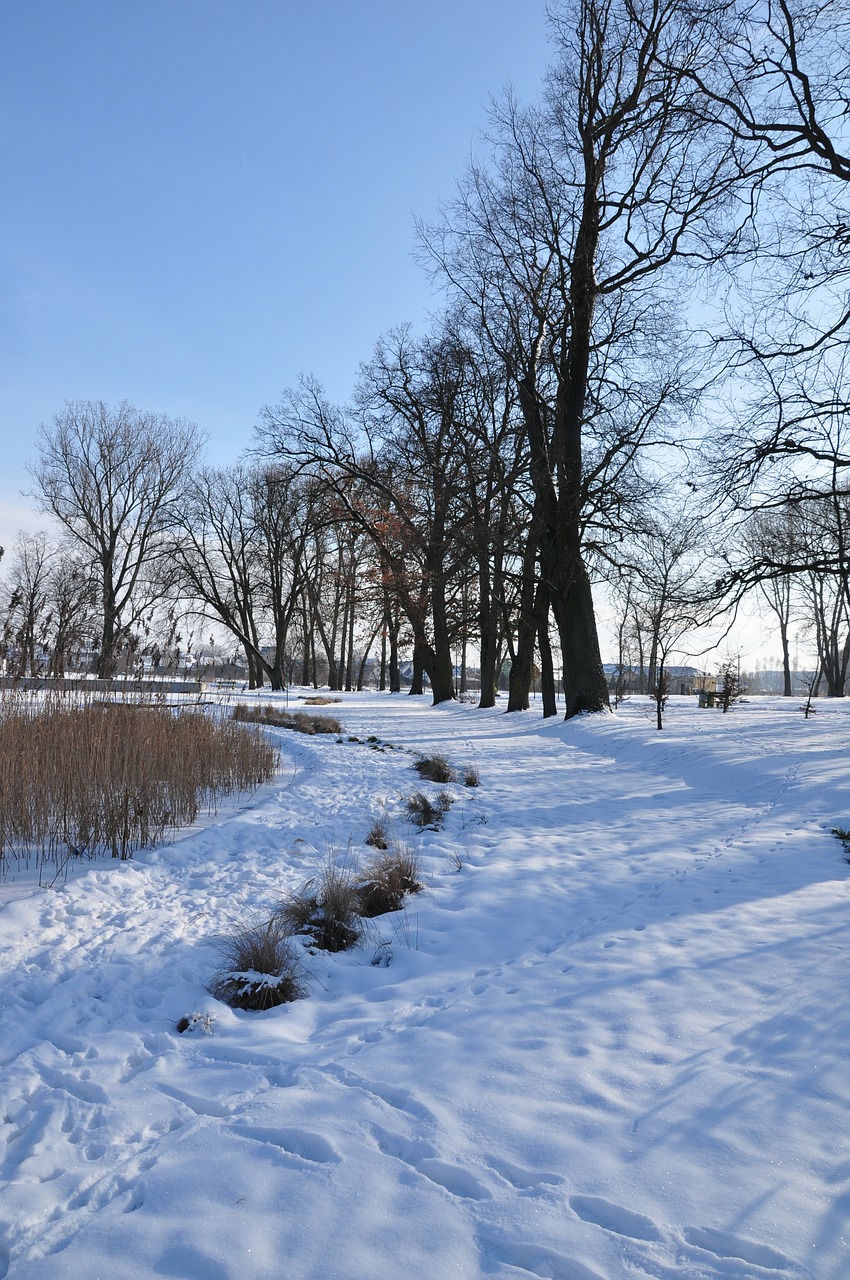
[[204, 199]]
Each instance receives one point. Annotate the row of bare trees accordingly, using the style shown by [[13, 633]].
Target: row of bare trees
[[643, 340]]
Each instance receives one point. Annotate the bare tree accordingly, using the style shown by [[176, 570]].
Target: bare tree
[[775, 77], [824, 532], [24, 632], [669, 591], [50, 611], [113, 478], [771, 538], [241, 555], [393, 467], [618, 176], [72, 619]]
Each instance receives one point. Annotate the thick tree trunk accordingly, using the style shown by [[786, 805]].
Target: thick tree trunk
[[382, 680], [547, 668], [395, 671], [418, 670], [522, 667], [585, 687], [488, 621], [107, 658], [441, 675], [255, 671]]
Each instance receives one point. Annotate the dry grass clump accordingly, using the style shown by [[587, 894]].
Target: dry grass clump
[[435, 768], [114, 777], [470, 776], [424, 813], [386, 879], [300, 721], [842, 835], [320, 701], [259, 969], [378, 836], [326, 909]]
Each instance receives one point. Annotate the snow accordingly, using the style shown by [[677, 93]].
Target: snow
[[611, 1041]]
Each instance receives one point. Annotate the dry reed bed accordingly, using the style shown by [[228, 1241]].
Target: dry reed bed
[[300, 721], [110, 778]]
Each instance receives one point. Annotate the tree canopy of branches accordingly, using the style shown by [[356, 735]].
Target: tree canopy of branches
[[563, 248], [113, 478], [240, 556]]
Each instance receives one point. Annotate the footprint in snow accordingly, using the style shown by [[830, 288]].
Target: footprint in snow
[[398, 1098], [724, 1245], [538, 1260], [522, 1179], [295, 1142], [422, 1158], [612, 1217], [454, 1178]]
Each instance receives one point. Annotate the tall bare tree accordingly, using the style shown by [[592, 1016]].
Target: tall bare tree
[[241, 554], [570, 237], [113, 478]]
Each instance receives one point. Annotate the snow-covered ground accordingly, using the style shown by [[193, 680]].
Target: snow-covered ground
[[612, 1042]]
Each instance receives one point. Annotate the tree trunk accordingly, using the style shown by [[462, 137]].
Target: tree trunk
[[522, 667], [305, 656], [441, 668], [349, 670], [660, 691], [490, 590], [547, 669], [343, 641], [362, 668], [382, 681], [107, 659], [418, 670], [585, 687], [786, 660]]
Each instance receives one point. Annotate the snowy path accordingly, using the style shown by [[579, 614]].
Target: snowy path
[[612, 1045]]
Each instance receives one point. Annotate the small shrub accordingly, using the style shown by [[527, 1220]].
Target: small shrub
[[842, 835], [378, 837], [386, 879], [383, 955], [326, 909], [470, 776], [299, 721], [730, 687], [434, 768], [424, 813], [204, 1022], [260, 969]]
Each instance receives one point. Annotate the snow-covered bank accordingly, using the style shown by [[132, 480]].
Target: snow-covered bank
[[611, 1044]]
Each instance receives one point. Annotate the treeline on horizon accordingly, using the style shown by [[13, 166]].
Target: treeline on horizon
[[636, 379]]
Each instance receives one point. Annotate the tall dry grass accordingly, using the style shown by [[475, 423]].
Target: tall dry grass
[[114, 777], [300, 721]]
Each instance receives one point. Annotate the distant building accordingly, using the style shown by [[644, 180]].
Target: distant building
[[681, 680]]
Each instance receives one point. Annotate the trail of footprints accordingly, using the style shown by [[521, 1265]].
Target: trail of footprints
[[395, 1123], [58, 1089], [646, 1246]]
